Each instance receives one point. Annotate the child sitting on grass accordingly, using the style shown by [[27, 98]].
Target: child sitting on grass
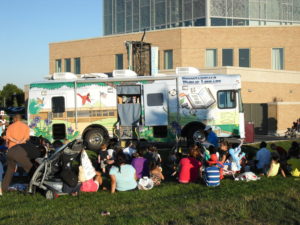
[[156, 173], [275, 166]]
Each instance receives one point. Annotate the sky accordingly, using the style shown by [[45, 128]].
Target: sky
[[28, 26]]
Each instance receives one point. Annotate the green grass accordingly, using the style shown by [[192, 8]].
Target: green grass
[[267, 201]]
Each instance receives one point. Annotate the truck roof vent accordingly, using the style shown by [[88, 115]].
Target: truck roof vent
[[187, 71], [124, 73]]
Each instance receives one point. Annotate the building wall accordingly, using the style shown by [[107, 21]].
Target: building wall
[[188, 45]]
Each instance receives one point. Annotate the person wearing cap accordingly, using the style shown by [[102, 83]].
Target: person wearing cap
[[211, 136]]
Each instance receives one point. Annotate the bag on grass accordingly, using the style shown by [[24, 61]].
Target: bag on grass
[[145, 183], [88, 171]]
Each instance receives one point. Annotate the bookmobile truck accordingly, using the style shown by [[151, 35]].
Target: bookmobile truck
[[157, 108]]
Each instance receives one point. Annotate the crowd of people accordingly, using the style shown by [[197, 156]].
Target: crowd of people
[[136, 166]]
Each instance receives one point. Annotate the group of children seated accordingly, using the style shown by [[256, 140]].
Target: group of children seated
[[125, 167], [211, 164]]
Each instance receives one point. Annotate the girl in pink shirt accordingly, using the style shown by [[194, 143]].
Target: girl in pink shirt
[[189, 168]]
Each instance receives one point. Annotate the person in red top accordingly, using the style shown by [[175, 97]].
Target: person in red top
[[189, 168], [17, 133]]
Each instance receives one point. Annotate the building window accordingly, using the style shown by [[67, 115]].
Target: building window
[[211, 58], [77, 65], [244, 57], [58, 65], [67, 65], [277, 59], [119, 62], [227, 57], [168, 57]]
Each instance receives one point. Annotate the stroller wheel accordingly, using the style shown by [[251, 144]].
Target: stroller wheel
[[50, 195]]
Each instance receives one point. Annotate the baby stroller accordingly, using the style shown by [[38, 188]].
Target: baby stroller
[[55, 172]]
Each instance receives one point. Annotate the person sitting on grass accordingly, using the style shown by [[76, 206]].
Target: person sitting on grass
[[263, 158], [140, 164], [122, 175], [294, 164], [190, 167], [275, 166], [92, 185], [213, 161], [223, 151], [156, 173]]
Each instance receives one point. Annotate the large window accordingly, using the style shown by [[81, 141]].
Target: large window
[[58, 65], [77, 66], [119, 61], [226, 99], [277, 59], [244, 57], [67, 65], [58, 104], [211, 58], [168, 57], [227, 57]]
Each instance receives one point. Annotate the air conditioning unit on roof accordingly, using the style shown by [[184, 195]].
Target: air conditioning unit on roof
[[187, 71], [124, 73], [64, 76]]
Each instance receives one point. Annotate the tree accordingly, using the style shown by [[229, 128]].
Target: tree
[[11, 95]]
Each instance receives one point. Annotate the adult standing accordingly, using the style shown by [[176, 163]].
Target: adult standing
[[18, 132], [211, 136], [20, 152]]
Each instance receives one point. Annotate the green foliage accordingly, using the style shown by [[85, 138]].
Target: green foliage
[[11, 95]]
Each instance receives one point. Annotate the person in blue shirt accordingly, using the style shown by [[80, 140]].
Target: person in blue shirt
[[211, 136], [263, 158], [122, 175]]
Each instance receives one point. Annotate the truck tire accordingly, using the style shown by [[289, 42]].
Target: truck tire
[[94, 138], [194, 134]]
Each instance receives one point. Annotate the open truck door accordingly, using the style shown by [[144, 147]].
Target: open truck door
[[156, 104]]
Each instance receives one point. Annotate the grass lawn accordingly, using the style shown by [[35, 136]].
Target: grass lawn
[[267, 201]]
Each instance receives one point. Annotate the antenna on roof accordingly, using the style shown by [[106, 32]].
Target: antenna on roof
[[143, 35]]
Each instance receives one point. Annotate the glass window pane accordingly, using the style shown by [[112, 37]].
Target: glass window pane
[[119, 62], [58, 104], [77, 65], [277, 59], [67, 65], [59, 131], [244, 57], [211, 58], [168, 56], [226, 99], [155, 99], [227, 57], [58, 65]]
